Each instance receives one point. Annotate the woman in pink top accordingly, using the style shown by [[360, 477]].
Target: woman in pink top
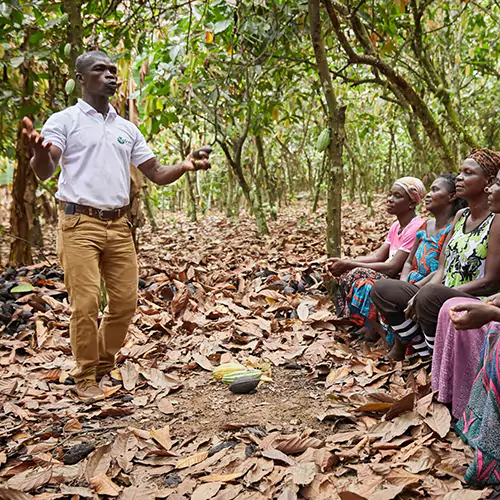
[[357, 276]]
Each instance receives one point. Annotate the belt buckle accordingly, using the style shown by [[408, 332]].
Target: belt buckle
[[101, 216]]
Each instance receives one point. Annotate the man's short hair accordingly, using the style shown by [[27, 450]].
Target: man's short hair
[[84, 61]]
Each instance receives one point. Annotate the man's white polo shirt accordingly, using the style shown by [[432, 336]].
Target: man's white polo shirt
[[96, 155]]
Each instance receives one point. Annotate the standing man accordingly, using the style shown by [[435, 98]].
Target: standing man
[[95, 147]]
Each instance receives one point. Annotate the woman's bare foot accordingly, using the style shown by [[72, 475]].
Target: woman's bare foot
[[369, 334], [398, 351]]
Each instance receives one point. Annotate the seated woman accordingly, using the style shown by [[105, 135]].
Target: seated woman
[[465, 269], [442, 202], [358, 275], [459, 339]]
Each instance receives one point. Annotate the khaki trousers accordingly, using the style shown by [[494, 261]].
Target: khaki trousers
[[90, 249]]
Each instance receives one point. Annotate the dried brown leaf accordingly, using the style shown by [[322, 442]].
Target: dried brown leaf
[[191, 460], [165, 406], [162, 437], [30, 480], [42, 333], [303, 311], [130, 375], [296, 444], [230, 492], [77, 491], [138, 493], [303, 473], [400, 425], [423, 404], [206, 491], [338, 375], [160, 380], [13, 494], [466, 495], [73, 425], [349, 495], [399, 477], [98, 462], [223, 478], [388, 493], [203, 361], [260, 469], [124, 449], [439, 419], [289, 493], [277, 456], [374, 407], [423, 459], [104, 486], [404, 404], [180, 301]]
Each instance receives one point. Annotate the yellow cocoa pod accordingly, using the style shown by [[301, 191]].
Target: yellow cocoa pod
[[226, 368]]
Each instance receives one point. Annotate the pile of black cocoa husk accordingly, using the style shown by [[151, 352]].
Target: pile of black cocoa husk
[[17, 308]]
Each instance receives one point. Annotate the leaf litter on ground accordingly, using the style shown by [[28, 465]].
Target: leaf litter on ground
[[336, 422]]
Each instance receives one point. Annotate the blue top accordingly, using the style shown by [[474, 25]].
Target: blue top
[[426, 257]]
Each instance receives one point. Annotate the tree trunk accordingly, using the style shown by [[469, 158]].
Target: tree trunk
[[24, 223], [138, 182], [146, 198], [336, 121], [269, 180], [230, 211], [253, 202], [319, 182], [135, 215], [75, 35], [191, 199]]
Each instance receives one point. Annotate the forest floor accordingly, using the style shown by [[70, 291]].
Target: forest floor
[[337, 420]]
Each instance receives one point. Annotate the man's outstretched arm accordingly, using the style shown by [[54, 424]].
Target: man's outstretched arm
[[46, 156], [161, 174]]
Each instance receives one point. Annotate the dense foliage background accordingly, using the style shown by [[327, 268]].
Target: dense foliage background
[[403, 86]]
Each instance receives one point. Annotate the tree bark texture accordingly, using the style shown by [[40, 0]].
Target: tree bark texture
[[24, 222], [269, 179], [75, 31], [336, 122], [234, 160]]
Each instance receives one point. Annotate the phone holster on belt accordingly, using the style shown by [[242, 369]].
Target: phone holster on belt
[[69, 209]]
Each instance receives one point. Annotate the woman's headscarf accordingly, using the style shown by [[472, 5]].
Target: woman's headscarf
[[487, 159], [413, 187]]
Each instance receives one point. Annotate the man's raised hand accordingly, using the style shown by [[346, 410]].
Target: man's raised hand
[[34, 140], [198, 159], [45, 156]]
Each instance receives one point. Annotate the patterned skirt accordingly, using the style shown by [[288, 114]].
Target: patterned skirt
[[353, 300], [480, 422]]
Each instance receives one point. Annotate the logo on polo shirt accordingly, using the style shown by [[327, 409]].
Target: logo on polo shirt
[[122, 140]]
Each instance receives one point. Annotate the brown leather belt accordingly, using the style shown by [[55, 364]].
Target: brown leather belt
[[104, 215]]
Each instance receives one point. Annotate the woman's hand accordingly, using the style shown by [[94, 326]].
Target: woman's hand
[[409, 311], [335, 267], [493, 300], [472, 315]]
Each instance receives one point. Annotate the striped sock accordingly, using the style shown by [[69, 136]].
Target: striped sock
[[407, 330]]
